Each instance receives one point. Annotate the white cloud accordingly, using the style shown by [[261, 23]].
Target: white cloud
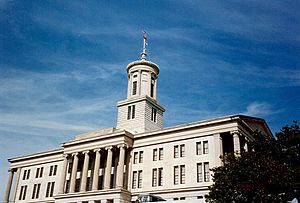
[[258, 109]]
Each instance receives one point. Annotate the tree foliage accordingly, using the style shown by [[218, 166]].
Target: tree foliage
[[267, 173]]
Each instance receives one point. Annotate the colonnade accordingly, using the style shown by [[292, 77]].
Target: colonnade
[[100, 155]]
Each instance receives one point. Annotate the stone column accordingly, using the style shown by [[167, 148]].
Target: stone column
[[8, 187], [107, 175], [74, 173], [149, 83], [63, 174], [85, 171], [139, 90], [16, 184], [96, 170], [218, 149], [154, 89], [236, 143], [129, 171], [129, 85], [120, 170], [246, 146]]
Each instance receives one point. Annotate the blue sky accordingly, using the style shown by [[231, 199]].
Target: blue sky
[[63, 64]]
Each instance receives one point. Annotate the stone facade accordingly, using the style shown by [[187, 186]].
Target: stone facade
[[137, 157]]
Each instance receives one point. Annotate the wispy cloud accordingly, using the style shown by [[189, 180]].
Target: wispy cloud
[[45, 103], [260, 109]]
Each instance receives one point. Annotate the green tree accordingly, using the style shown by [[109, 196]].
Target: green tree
[[267, 173]]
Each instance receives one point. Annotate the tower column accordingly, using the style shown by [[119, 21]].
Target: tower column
[[154, 89], [149, 83], [63, 174], [74, 173], [96, 170], [8, 187], [120, 169], [108, 168], [139, 86], [85, 171], [129, 85]]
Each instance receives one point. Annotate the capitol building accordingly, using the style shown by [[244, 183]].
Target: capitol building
[[138, 156]]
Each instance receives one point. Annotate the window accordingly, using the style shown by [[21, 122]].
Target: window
[[153, 114], [154, 177], [176, 175], [161, 154], [158, 154], [134, 179], [23, 192], [154, 154], [39, 172], [180, 198], [205, 147], [36, 191], [141, 156], [182, 174], [199, 173], [131, 112], [53, 170], [160, 176], [50, 189], [157, 177], [182, 150], [179, 174], [26, 174], [198, 148], [206, 172], [176, 151], [134, 87], [135, 157], [137, 179], [140, 173], [138, 157]]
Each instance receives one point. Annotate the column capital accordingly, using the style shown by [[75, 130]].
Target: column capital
[[75, 154], [97, 150], [11, 170], [122, 146], [109, 148], [86, 152], [235, 132], [65, 156]]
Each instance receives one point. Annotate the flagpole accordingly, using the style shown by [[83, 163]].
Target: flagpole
[[144, 53]]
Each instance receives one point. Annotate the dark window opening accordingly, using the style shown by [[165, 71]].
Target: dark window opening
[[227, 143], [134, 87]]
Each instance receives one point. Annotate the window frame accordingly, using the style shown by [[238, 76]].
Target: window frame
[[206, 172], [205, 147]]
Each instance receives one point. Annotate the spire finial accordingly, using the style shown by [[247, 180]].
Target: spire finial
[[144, 54]]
